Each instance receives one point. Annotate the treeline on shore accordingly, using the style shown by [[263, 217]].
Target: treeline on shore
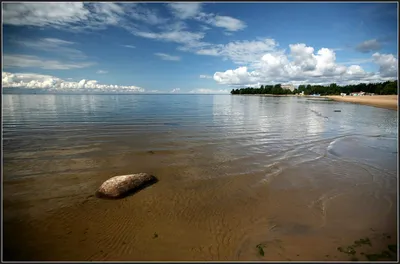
[[382, 88]]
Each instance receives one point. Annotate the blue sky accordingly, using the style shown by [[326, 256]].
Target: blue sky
[[196, 47]]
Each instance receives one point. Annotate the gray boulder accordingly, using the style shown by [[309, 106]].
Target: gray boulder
[[121, 186]]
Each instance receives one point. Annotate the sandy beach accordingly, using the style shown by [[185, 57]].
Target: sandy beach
[[383, 101]]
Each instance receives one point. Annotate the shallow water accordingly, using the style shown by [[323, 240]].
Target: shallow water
[[234, 171]]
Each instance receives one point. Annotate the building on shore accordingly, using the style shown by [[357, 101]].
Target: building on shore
[[358, 93], [343, 94], [288, 86]]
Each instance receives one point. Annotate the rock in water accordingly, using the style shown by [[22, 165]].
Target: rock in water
[[121, 186]]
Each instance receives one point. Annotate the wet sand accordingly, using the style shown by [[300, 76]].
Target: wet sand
[[383, 101]]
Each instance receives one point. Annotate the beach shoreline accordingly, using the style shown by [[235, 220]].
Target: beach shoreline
[[382, 101]]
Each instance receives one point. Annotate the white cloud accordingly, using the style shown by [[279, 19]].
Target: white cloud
[[357, 61], [355, 70], [388, 64], [209, 52], [101, 72], [44, 14], [192, 10], [129, 46], [302, 65], [185, 10], [64, 55], [369, 46], [226, 22], [204, 27], [184, 37], [178, 25], [111, 13], [209, 91], [66, 16], [175, 90], [79, 15], [303, 56], [53, 45], [235, 77], [168, 57], [28, 61], [37, 81], [144, 14], [205, 77], [240, 52], [9, 78], [52, 42]]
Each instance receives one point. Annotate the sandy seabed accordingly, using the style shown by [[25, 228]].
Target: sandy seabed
[[302, 212], [288, 175]]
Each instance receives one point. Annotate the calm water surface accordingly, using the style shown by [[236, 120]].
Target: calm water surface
[[234, 171]]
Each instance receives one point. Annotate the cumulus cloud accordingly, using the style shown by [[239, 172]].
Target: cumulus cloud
[[236, 77], [354, 70], [168, 57], [303, 56], [304, 65], [28, 61], [175, 90], [368, 46], [38, 81], [209, 91], [205, 76], [388, 64], [101, 72]]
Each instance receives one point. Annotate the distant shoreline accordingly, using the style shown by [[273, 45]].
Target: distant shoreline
[[270, 95], [382, 101]]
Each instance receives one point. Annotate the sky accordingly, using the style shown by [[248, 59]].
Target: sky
[[189, 47]]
